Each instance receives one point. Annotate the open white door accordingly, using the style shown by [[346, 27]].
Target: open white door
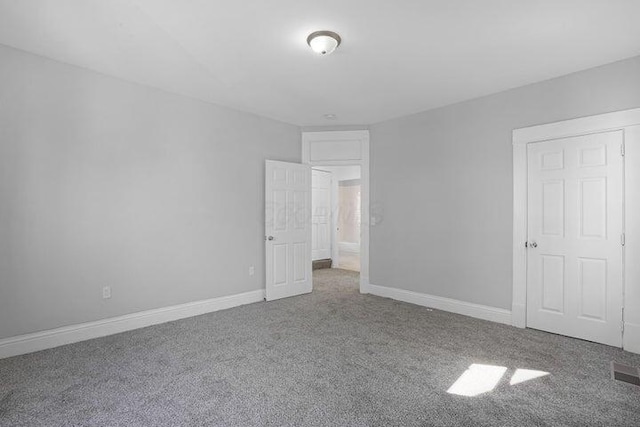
[[287, 229], [321, 215]]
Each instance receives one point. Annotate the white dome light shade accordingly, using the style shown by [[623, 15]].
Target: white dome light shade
[[323, 42]]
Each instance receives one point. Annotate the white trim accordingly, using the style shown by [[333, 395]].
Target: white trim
[[365, 288], [519, 296], [580, 126], [29, 343], [621, 120], [632, 337], [335, 202], [341, 136], [478, 311], [519, 315]]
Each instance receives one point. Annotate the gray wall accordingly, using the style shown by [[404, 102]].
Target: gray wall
[[103, 182], [443, 179]]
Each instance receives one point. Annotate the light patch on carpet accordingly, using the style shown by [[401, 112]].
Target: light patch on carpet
[[524, 375], [477, 379]]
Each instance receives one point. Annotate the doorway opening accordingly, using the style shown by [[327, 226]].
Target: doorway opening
[[345, 149], [336, 217], [288, 213]]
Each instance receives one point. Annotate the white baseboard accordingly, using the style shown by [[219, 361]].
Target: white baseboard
[[519, 316], [364, 284], [446, 304], [29, 343], [631, 341]]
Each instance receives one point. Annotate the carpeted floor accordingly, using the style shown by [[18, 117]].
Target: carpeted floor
[[333, 357]]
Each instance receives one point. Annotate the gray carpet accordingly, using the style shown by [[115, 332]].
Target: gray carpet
[[334, 357]]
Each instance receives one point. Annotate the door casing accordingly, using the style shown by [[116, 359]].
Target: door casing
[[627, 121], [346, 148]]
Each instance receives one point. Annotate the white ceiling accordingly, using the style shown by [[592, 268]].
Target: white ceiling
[[397, 57]]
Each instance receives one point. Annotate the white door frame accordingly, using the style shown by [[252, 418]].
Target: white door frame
[[629, 122], [345, 148]]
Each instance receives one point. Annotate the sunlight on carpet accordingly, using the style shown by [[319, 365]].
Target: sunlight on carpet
[[479, 379]]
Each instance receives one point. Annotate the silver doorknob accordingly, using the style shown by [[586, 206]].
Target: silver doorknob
[[533, 245], [271, 238]]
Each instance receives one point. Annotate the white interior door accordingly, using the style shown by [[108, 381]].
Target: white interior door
[[321, 214], [287, 229], [575, 252]]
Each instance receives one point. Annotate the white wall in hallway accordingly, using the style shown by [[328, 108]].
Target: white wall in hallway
[[349, 213]]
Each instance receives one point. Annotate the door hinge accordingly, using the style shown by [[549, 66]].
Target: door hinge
[[622, 149], [622, 239], [526, 244]]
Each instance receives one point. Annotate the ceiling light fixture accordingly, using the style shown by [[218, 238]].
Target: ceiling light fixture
[[323, 42]]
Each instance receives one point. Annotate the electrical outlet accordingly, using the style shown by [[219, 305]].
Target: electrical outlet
[[106, 292], [252, 271]]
